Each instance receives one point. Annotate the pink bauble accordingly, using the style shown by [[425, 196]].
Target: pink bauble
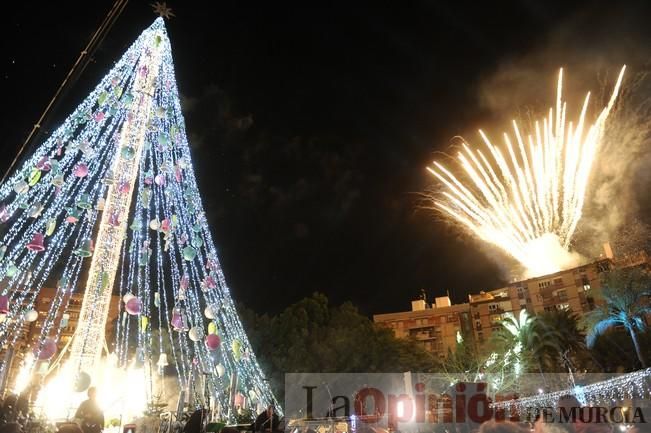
[[48, 350], [212, 265], [44, 164], [4, 304], [80, 170], [4, 214], [210, 282], [165, 225], [185, 282], [177, 320], [160, 179], [212, 341], [133, 306]]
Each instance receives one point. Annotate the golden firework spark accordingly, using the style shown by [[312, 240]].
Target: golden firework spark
[[529, 199]]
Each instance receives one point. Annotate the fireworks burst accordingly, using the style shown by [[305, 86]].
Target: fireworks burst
[[529, 199]]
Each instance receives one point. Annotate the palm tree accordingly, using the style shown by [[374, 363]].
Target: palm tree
[[526, 339], [561, 330], [625, 292]]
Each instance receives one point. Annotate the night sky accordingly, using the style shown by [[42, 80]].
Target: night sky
[[311, 123]]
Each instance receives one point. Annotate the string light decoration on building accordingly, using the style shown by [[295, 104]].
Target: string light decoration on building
[[605, 392], [113, 191]]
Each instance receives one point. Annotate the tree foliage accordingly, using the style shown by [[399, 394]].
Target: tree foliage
[[549, 342], [626, 295], [314, 336], [564, 340]]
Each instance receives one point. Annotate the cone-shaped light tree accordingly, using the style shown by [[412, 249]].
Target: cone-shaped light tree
[[109, 203]]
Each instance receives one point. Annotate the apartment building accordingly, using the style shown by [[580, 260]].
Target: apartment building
[[66, 320], [575, 289], [434, 325]]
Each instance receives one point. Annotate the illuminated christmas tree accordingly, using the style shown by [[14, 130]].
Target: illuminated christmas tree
[[112, 192]]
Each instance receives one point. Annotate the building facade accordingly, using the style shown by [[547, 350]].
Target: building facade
[[435, 325], [67, 322], [576, 290]]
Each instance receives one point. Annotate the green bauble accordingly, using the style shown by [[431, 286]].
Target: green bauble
[[128, 152], [128, 99], [102, 98], [197, 242], [189, 253], [163, 139], [34, 177], [12, 270]]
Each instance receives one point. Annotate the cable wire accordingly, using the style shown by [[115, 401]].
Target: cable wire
[[82, 62]]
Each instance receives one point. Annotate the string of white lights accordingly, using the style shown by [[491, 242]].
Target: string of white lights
[[122, 161], [620, 388]]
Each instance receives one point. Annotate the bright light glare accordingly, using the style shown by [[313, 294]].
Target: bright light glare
[[527, 197], [25, 374], [122, 393], [400, 409]]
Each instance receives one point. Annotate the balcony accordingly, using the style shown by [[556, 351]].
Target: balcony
[[424, 336], [425, 333], [555, 299]]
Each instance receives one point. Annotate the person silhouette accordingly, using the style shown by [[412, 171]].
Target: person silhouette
[[89, 414]]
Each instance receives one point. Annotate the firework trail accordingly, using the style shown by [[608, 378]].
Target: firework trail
[[527, 197]]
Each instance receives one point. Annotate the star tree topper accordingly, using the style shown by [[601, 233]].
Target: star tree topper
[[163, 10]]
